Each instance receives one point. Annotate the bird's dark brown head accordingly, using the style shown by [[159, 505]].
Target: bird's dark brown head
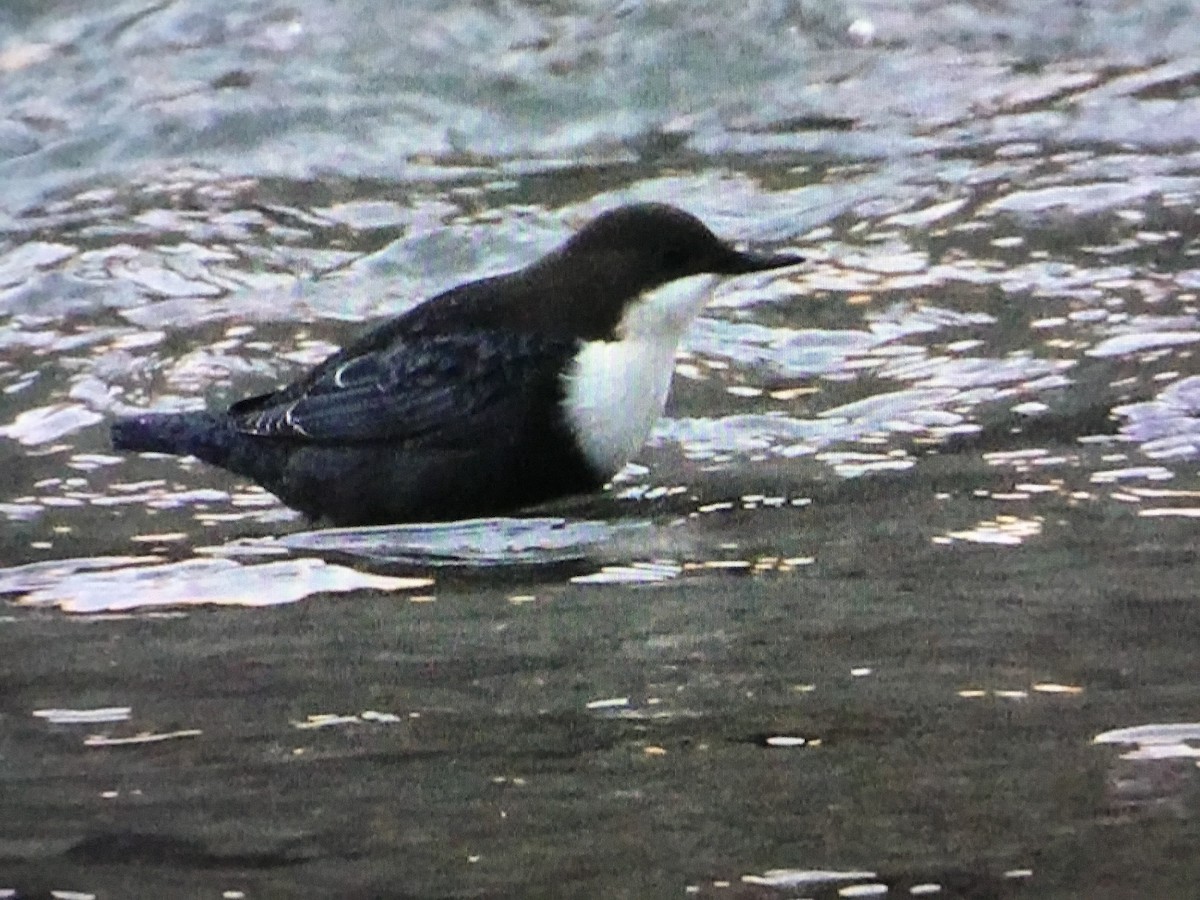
[[660, 243], [588, 285]]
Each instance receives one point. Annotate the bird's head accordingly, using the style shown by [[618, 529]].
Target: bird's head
[[660, 264]]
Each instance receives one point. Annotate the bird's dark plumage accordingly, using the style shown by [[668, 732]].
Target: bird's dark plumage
[[453, 409]]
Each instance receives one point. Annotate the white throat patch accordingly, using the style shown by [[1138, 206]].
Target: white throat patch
[[616, 390]]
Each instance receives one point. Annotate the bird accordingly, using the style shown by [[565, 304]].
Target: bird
[[495, 395]]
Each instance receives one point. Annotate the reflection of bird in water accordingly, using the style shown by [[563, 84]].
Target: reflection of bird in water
[[494, 395]]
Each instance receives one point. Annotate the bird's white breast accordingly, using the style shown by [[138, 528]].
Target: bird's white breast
[[616, 390]]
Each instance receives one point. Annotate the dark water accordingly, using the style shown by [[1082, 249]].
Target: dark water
[[873, 614]]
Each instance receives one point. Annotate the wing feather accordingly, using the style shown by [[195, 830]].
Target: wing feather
[[433, 390]]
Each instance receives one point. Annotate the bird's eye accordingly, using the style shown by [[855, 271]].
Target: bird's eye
[[674, 258]]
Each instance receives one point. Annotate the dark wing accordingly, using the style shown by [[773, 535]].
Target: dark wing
[[468, 307], [433, 390]]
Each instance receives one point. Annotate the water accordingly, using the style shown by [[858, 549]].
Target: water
[[900, 597]]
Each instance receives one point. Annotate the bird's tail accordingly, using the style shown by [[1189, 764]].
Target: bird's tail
[[201, 434]]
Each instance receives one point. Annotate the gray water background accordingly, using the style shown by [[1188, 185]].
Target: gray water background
[[919, 527]]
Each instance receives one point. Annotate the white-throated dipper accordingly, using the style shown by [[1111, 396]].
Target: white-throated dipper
[[494, 395]]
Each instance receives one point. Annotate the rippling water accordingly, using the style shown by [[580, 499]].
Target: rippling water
[[899, 600]]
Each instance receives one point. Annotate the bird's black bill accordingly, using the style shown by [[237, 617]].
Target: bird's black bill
[[741, 262]]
